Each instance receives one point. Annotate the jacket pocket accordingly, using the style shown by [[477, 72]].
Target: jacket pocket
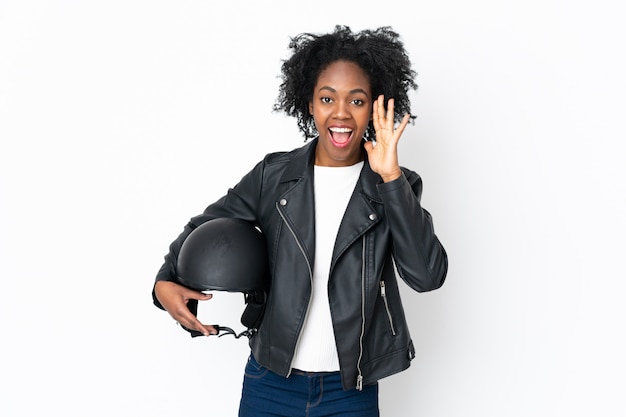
[[383, 294]]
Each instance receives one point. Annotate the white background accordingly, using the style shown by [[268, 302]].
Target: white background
[[120, 120]]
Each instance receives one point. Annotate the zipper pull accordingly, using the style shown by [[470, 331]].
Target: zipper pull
[[382, 288], [359, 383]]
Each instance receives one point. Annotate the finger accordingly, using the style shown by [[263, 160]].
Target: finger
[[205, 329], [190, 294], [376, 112], [382, 113], [210, 329], [384, 119], [369, 146], [390, 113], [403, 124], [190, 321]]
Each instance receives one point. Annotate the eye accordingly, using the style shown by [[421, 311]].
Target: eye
[[358, 102], [326, 100]]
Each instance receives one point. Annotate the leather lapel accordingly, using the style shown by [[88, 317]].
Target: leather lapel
[[363, 212], [296, 202]]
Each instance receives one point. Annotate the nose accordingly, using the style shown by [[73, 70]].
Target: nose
[[341, 111]]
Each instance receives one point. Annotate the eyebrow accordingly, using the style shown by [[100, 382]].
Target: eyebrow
[[332, 90]]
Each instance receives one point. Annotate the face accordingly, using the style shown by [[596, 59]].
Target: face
[[341, 107]]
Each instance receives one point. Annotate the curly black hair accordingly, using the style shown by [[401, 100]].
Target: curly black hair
[[379, 52]]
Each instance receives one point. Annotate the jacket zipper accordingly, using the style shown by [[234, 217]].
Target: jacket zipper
[[359, 378], [308, 264], [384, 295]]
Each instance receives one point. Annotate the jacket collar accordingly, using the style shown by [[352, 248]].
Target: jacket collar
[[303, 160]]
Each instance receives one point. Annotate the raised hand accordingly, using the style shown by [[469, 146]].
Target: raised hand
[[383, 154]]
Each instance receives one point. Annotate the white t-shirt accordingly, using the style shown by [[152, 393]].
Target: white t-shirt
[[316, 350]]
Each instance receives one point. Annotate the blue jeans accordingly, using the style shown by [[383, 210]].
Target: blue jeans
[[303, 394]]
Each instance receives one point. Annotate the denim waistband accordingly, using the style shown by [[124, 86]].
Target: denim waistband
[[295, 371]]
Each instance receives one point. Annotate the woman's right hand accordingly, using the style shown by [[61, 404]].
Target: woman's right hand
[[174, 297]]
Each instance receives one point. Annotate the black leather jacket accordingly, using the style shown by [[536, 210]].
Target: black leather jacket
[[384, 225]]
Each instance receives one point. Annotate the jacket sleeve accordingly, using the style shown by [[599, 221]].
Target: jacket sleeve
[[420, 258], [240, 202]]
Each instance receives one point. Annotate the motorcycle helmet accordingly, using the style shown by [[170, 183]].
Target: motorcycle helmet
[[227, 254]]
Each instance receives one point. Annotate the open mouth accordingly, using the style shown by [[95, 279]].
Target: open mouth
[[340, 136]]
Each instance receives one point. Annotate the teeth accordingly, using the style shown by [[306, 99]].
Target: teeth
[[340, 129]]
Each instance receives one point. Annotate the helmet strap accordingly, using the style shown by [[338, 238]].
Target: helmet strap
[[255, 306], [251, 317]]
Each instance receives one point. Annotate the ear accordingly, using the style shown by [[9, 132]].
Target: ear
[[311, 108]]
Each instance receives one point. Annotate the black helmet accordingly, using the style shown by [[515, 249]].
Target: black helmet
[[227, 254], [223, 254]]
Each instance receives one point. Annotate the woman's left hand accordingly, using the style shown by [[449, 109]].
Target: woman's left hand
[[383, 154]]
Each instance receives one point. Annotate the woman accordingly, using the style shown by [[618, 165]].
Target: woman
[[338, 214]]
